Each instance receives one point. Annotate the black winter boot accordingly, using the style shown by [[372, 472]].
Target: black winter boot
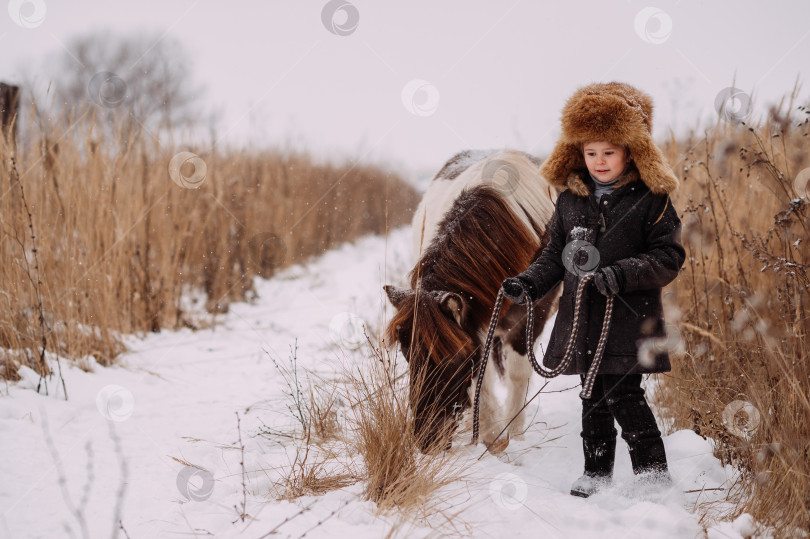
[[598, 445], [599, 457], [643, 438], [647, 452]]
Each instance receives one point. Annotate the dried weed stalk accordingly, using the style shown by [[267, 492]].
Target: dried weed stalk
[[314, 470], [744, 296]]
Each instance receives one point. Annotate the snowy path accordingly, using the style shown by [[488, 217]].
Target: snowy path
[[186, 387]]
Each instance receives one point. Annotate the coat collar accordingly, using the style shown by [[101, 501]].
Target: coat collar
[[580, 182]]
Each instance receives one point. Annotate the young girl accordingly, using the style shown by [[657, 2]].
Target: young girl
[[614, 219]]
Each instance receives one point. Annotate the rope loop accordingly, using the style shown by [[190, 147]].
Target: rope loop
[[590, 378]]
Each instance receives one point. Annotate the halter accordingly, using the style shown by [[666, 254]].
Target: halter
[[590, 378]]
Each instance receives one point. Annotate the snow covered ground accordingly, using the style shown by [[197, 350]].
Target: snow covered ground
[[173, 400]]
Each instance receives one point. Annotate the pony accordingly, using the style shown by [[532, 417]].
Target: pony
[[483, 218]]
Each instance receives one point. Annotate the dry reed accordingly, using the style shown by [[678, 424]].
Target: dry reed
[[743, 299], [119, 245]]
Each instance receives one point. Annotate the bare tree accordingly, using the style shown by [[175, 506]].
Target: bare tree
[[146, 77]]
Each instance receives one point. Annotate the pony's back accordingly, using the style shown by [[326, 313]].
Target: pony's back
[[513, 174]]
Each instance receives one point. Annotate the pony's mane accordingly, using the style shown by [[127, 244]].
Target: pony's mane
[[478, 244]]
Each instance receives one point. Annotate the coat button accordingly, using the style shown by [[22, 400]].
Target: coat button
[[604, 202]]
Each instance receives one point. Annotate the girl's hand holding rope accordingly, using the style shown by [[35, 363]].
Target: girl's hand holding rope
[[516, 291]]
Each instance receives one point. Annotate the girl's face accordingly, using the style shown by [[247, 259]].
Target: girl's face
[[605, 161]]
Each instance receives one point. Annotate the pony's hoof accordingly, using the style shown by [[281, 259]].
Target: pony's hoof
[[499, 445]]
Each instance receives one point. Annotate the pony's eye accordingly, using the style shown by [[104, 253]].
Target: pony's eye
[[405, 342]]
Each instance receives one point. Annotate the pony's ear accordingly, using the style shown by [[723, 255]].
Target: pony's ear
[[396, 295], [454, 305]]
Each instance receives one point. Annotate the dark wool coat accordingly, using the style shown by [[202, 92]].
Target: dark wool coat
[[631, 227]]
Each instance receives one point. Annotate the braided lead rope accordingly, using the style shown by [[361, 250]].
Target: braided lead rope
[[496, 312], [569, 348], [590, 377]]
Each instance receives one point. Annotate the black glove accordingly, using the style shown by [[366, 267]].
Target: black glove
[[516, 291], [609, 280]]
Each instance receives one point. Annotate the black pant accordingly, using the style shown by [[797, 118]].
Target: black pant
[[621, 397]]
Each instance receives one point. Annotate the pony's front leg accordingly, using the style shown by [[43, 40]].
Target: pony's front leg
[[491, 418], [515, 349], [518, 374]]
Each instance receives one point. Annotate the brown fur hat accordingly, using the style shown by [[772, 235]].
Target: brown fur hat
[[615, 112]]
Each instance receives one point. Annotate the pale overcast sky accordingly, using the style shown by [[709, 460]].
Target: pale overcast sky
[[413, 82]]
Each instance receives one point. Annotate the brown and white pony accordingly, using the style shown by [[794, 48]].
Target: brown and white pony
[[483, 218]]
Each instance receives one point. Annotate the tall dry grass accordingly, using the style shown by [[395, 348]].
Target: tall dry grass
[[97, 240], [398, 474], [743, 299], [369, 437]]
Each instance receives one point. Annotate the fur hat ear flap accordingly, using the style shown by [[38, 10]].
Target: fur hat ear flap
[[564, 159], [652, 166]]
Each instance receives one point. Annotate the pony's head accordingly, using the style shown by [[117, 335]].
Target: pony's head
[[435, 332]]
